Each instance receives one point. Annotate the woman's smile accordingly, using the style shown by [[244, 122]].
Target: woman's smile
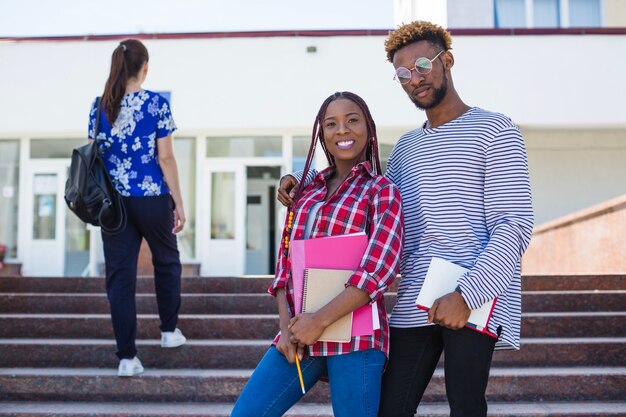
[[345, 144]]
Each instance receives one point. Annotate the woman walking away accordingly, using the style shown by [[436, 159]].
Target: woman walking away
[[134, 132]]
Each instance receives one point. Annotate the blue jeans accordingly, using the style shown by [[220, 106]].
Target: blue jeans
[[274, 385]]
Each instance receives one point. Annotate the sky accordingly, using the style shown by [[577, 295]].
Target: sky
[[22, 18]]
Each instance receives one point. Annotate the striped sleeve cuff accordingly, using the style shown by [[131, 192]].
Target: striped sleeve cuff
[[470, 295], [296, 175]]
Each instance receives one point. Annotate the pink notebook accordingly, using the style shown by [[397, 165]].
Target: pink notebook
[[333, 252]]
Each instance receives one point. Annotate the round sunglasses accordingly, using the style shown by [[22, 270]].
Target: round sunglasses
[[423, 66]]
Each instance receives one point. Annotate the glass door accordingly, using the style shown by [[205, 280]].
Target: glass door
[[45, 212], [223, 245], [77, 244], [57, 244], [263, 221]]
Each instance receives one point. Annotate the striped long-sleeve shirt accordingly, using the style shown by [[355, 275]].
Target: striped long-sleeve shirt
[[466, 198]]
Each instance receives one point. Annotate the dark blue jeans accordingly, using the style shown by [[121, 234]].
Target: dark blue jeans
[[151, 218], [274, 386]]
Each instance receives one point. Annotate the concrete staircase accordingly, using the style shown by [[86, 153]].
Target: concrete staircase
[[57, 351]]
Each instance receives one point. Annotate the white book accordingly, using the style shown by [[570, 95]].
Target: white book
[[441, 279]]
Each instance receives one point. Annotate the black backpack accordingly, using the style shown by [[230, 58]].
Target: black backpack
[[89, 191]]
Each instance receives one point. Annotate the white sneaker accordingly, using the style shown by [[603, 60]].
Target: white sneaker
[[172, 339], [129, 367]]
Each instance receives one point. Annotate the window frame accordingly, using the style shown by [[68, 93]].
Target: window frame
[[563, 15]]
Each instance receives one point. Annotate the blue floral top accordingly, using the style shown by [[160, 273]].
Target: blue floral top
[[129, 146]]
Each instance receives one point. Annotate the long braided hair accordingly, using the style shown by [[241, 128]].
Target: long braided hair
[[371, 153]]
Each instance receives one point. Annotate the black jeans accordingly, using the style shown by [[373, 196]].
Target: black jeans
[[413, 358], [151, 218]]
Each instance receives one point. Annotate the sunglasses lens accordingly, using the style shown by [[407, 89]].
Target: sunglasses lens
[[403, 75], [423, 65]]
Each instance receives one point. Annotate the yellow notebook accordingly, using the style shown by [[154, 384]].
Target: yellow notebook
[[320, 287]]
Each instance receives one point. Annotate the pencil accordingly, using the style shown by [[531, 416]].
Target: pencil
[[300, 373]]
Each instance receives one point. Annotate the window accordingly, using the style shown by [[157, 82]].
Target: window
[[185, 151], [76, 245], [584, 13], [510, 13], [546, 14], [242, 147], [45, 206], [300, 151], [54, 148], [222, 203], [9, 190], [384, 150]]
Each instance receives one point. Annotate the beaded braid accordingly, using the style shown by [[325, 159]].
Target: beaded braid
[[371, 154]]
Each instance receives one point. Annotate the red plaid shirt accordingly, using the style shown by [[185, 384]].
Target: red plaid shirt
[[363, 203]]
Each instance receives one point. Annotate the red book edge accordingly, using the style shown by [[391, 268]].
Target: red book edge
[[485, 330]]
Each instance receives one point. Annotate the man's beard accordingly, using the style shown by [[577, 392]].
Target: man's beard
[[438, 96]]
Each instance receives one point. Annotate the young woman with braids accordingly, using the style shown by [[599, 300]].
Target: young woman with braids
[[348, 197], [135, 135]]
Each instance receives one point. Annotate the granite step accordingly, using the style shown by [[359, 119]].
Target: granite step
[[259, 284], [99, 409], [39, 303], [572, 361], [574, 300], [245, 354], [573, 282], [190, 285], [86, 303], [210, 385], [264, 326]]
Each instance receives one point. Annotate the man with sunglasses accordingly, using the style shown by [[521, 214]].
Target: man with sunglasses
[[463, 177]]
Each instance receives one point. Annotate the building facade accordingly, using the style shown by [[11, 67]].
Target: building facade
[[244, 104]]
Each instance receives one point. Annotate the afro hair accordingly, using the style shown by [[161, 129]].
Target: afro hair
[[420, 30]]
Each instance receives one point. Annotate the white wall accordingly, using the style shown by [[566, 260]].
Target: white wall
[[565, 92], [251, 83], [273, 84], [545, 80]]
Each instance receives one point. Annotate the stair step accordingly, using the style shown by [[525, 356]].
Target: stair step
[[581, 300], [183, 385], [99, 409], [245, 354], [264, 326], [146, 303], [574, 324], [259, 284], [572, 361], [98, 326], [573, 282], [247, 284], [86, 303], [81, 353]]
